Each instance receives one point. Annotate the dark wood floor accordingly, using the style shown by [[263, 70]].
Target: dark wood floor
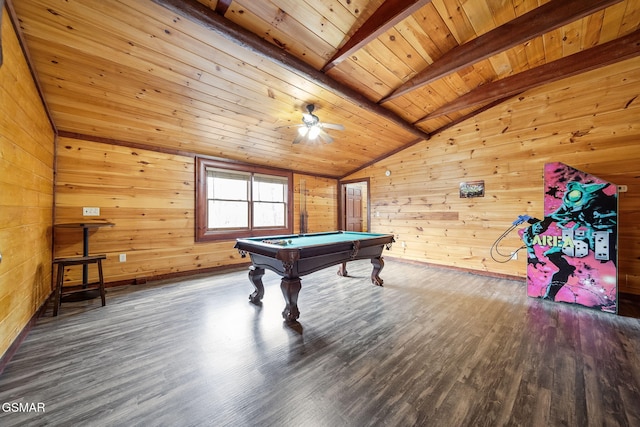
[[433, 347]]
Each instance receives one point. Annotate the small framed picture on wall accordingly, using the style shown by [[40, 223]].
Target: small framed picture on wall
[[471, 189]]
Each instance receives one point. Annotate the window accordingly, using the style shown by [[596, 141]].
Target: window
[[240, 201]]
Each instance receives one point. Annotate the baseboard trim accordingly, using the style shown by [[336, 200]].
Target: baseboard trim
[[175, 275], [460, 269], [15, 345]]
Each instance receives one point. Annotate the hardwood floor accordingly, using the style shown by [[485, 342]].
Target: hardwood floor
[[433, 347]]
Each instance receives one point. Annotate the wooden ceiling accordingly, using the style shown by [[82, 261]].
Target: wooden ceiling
[[231, 78]]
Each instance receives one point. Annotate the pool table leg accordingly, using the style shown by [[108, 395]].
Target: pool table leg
[[290, 290], [342, 270], [378, 264], [255, 275]]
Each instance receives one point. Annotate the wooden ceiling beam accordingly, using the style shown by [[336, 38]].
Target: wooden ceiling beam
[[207, 18], [386, 16], [222, 6], [626, 47], [540, 20]]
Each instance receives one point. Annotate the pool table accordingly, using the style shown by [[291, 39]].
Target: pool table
[[293, 256]]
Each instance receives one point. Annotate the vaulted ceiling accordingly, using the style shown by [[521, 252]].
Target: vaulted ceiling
[[231, 78]]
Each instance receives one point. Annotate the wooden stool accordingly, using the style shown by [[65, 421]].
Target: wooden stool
[[83, 260]]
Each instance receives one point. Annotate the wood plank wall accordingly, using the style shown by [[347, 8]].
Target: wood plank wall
[[26, 192], [150, 197], [590, 122], [321, 195]]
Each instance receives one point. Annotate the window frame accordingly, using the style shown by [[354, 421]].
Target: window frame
[[203, 234]]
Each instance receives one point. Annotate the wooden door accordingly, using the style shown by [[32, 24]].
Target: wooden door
[[353, 205]]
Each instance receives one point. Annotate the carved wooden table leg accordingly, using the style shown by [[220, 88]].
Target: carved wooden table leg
[[342, 270], [255, 275], [378, 264], [290, 290]]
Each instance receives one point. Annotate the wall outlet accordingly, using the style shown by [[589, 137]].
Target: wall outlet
[[123, 257], [90, 211]]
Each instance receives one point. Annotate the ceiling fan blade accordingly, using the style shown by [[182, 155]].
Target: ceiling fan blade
[[301, 134], [334, 126], [325, 137], [290, 126]]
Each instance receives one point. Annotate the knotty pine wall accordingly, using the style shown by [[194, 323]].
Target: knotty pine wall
[[319, 198], [26, 193], [590, 122], [150, 196]]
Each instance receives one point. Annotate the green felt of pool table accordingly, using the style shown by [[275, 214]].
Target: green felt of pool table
[[305, 240]]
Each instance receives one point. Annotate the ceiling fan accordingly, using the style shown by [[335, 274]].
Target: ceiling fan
[[312, 128]]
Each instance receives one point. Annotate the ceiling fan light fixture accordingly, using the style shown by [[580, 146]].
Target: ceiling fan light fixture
[[314, 131]]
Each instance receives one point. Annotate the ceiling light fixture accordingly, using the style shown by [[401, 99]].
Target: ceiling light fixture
[[314, 131], [311, 129]]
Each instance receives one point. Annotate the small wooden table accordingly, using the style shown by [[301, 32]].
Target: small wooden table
[[85, 226]]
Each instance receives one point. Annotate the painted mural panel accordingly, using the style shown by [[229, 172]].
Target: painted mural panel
[[572, 252]]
